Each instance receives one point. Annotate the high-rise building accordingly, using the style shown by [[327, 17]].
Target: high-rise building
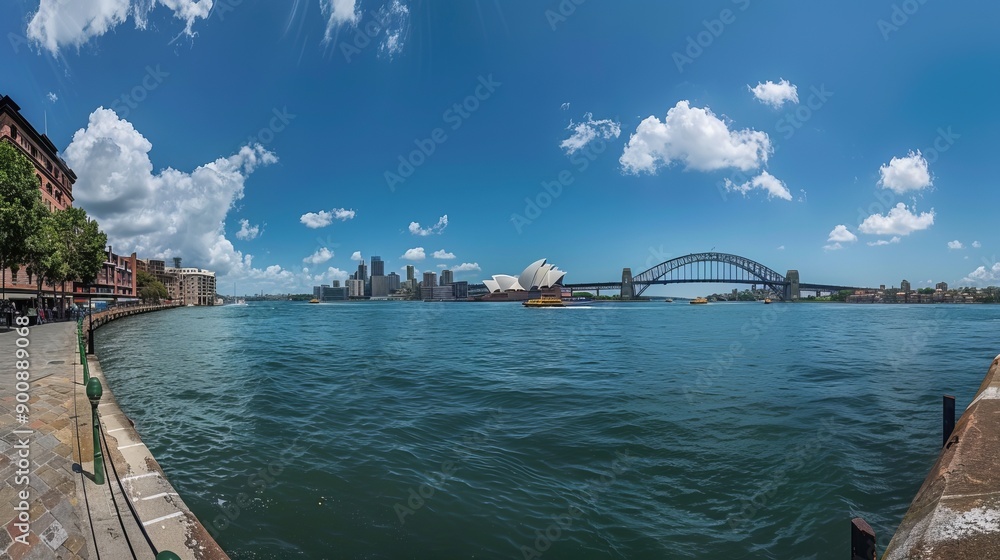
[[362, 272], [943, 286], [427, 286], [378, 266], [447, 277], [410, 272], [356, 288], [380, 286], [393, 282], [460, 289], [336, 283], [904, 286]]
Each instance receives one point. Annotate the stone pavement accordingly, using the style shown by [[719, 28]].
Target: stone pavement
[[69, 515]]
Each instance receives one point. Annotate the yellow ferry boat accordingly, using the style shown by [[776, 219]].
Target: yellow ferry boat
[[698, 300], [545, 302], [314, 300]]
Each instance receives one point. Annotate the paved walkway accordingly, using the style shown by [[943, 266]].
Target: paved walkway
[[69, 515]]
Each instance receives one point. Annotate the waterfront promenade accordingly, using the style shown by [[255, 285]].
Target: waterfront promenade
[[134, 514]]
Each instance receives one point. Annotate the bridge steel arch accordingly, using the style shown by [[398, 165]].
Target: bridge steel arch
[[710, 267]]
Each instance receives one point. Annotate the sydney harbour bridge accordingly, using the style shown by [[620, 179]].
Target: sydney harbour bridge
[[720, 268]]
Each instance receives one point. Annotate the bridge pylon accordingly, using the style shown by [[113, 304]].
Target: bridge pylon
[[628, 291], [791, 286]]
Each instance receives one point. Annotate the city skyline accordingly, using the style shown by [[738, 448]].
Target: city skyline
[[277, 145]]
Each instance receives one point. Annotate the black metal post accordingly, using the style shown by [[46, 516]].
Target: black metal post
[[949, 418], [862, 540]]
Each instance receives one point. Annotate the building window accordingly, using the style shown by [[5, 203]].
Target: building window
[[13, 132], [49, 187]]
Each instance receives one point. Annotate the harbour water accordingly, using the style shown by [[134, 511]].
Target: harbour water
[[647, 430]]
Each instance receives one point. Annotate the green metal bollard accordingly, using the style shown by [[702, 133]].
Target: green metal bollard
[[94, 392], [86, 373], [167, 555]]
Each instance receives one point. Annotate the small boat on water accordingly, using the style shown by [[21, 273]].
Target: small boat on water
[[698, 301], [314, 300], [767, 300], [668, 300], [544, 302]]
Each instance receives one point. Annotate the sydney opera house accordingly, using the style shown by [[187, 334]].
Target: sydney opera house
[[538, 280]]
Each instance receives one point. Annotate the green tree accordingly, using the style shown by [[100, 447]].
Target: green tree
[[150, 289], [44, 259], [20, 200], [81, 243]]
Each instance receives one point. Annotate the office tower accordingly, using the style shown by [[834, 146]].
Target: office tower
[[378, 266], [393, 282], [446, 277], [409, 272]]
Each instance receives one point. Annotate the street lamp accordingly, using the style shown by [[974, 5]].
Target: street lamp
[[94, 392]]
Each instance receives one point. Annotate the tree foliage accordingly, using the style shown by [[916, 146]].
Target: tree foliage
[[82, 243], [150, 289], [20, 204]]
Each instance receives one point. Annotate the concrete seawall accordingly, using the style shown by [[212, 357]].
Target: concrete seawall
[[956, 513]]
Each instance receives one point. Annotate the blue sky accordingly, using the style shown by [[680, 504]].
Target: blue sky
[[229, 128]]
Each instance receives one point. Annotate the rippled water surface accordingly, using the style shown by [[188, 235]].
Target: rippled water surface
[[648, 430]]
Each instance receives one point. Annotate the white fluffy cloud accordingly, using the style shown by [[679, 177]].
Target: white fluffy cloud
[[247, 232], [415, 254], [52, 97], [765, 181], [60, 23], [323, 218], [904, 174], [467, 267], [589, 130], [696, 137], [976, 244], [899, 221], [334, 273], [842, 234], [320, 256], [343, 214], [880, 242], [437, 228], [356, 256], [338, 12], [316, 220], [775, 94], [956, 244], [984, 276], [443, 255], [166, 214]]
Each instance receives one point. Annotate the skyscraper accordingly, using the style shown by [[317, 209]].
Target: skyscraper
[[362, 272], [447, 277], [409, 272], [378, 266], [393, 282]]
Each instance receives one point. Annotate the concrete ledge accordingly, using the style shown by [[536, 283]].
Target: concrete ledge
[[956, 513], [167, 519]]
